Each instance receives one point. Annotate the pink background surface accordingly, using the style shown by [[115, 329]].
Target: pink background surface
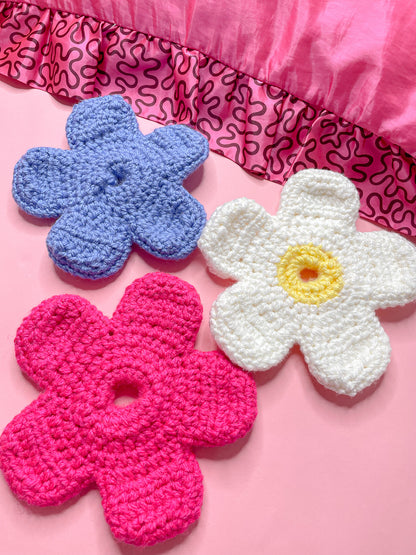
[[318, 475]]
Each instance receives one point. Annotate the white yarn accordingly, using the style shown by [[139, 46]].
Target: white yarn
[[257, 320]]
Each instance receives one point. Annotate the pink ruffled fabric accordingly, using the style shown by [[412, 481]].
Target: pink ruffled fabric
[[303, 86]]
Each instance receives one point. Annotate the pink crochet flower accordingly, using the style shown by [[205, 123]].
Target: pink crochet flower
[[139, 455]]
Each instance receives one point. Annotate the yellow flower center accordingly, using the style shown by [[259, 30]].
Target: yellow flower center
[[309, 274]]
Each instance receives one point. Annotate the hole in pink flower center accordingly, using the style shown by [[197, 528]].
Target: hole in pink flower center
[[308, 274], [125, 393]]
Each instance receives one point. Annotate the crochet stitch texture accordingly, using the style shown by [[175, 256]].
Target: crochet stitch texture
[[307, 276], [139, 455], [114, 187]]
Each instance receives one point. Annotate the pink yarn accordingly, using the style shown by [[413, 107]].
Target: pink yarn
[[139, 455]]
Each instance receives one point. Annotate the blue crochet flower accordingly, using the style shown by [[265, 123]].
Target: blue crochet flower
[[114, 187]]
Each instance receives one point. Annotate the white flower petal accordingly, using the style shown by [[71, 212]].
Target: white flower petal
[[388, 268], [254, 324], [316, 205], [345, 346], [233, 239]]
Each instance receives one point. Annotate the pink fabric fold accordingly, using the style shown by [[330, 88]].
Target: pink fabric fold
[[353, 58], [276, 88]]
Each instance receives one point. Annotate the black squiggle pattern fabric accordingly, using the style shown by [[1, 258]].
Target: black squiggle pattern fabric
[[264, 129]]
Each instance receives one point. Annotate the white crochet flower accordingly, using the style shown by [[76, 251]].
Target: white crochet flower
[[307, 276]]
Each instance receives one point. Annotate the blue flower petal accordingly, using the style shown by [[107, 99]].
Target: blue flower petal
[[184, 148], [169, 226], [89, 242], [98, 122], [43, 183]]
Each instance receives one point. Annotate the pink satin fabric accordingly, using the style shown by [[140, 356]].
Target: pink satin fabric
[[352, 57], [264, 128]]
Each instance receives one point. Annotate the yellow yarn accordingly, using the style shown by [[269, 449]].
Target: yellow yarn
[[309, 274]]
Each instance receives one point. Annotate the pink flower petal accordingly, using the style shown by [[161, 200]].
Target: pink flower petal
[[152, 498], [160, 313], [41, 455], [221, 403], [49, 333]]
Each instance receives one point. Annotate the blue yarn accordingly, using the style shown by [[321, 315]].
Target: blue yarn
[[114, 187]]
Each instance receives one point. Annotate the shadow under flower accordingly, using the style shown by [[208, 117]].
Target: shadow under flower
[[57, 509], [222, 452], [167, 266], [194, 179], [396, 313], [83, 283], [341, 400], [40, 222], [124, 548], [159, 548], [262, 377], [345, 400]]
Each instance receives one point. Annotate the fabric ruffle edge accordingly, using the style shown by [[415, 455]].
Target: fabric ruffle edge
[[264, 129]]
